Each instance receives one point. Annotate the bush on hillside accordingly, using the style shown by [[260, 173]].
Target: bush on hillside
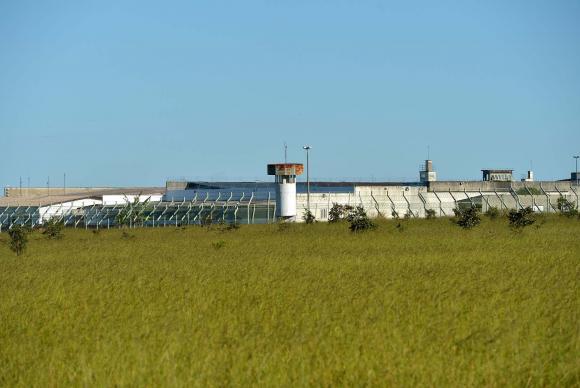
[[566, 207], [339, 212], [53, 228], [492, 213], [308, 217], [467, 218], [521, 218], [18, 239], [360, 221]]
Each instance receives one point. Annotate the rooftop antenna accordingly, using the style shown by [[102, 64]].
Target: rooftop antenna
[[428, 153], [285, 153]]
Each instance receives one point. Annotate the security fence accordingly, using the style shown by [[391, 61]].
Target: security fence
[[244, 209], [252, 208], [416, 202]]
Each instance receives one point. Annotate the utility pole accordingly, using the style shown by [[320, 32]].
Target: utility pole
[[21, 186], [576, 157], [307, 148], [64, 184]]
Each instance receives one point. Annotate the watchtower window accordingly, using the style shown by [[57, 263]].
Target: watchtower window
[[285, 178]]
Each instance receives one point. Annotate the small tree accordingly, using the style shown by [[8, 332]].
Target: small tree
[[521, 218], [53, 228], [566, 207], [339, 212], [360, 221], [18, 239], [467, 218], [308, 217]]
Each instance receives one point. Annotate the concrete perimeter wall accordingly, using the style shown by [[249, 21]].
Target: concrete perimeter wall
[[415, 201]]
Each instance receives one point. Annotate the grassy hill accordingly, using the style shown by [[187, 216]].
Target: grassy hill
[[426, 303]]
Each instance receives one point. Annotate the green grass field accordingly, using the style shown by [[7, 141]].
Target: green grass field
[[314, 305]]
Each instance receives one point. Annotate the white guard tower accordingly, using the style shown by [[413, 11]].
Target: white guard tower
[[285, 175], [427, 174]]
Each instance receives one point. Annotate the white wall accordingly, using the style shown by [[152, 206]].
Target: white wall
[[383, 200], [124, 199]]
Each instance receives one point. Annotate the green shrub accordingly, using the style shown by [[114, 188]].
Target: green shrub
[[360, 221], [308, 217], [18, 239], [566, 207], [521, 218], [430, 214], [492, 213], [339, 212], [53, 229], [467, 218]]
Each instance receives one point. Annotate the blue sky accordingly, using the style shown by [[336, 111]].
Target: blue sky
[[135, 92]]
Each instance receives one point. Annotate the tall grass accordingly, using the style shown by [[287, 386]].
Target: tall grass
[[426, 303]]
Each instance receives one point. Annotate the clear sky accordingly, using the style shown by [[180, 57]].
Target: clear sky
[[134, 92]]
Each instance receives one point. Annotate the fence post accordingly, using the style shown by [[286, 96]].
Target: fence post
[[486, 201], [393, 207], [575, 193], [441, 211], [424, 202], [408, 205]]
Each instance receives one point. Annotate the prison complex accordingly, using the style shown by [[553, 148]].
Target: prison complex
[[282, 199]]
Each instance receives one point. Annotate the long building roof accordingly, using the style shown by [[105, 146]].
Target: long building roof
[[44, 200]]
